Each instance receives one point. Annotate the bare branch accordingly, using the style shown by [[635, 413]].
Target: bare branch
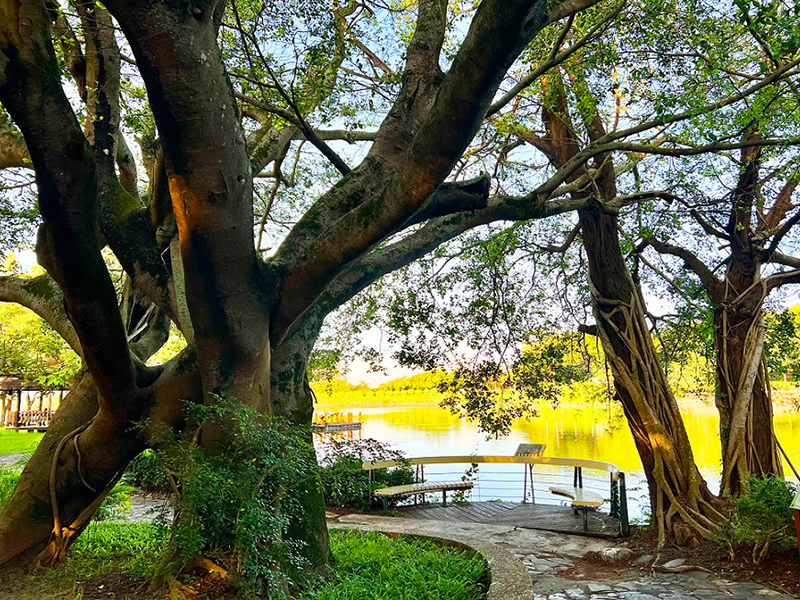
[[708, 227]]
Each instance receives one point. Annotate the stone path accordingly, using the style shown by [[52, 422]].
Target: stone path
[[13, 460], [550, 575], [146, 509], [557, 572]]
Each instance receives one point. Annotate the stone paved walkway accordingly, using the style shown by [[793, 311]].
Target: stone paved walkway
[[13, 460], [557, 572]]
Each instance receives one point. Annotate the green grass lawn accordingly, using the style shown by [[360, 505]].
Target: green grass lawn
[[118, 560], [17, 442], [372, 566]]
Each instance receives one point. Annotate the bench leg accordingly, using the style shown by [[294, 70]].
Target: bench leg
[[385, 506], [444, 497], [585, 520]]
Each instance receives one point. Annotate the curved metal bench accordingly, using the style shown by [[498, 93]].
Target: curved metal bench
[[582, 500]]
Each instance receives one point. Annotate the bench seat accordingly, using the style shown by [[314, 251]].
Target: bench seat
[[580, 497], [582, 500], [421, 488]]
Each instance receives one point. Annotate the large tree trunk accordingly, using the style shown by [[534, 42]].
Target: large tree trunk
[[293, 400], [681, 504], [83, 455], [743, 397]]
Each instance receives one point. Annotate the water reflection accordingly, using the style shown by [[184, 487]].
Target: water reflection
[[571, 431]]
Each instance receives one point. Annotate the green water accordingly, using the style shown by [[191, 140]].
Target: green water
[[570, 431]]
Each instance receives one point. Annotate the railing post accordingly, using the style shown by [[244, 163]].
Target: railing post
[[524, 484], [796, 511], [624, 526], [614, 495]]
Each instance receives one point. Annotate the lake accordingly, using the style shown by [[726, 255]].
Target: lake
[[571, 431]]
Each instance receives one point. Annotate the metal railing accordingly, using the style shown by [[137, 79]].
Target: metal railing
[[539, 473]]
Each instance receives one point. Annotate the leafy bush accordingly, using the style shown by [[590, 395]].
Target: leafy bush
[[146, 473], [763, 517], [346, 484], [371, 566], [232, 507]]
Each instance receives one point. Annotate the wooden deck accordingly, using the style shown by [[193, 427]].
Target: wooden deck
[[528, 516]]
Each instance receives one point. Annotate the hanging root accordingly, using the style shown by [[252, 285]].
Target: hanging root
[[62, 537], [682, 504]]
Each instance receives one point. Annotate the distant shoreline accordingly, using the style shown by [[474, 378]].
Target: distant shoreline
[[374, 398]]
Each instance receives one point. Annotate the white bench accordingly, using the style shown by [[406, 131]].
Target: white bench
[[420, 488], [582, 500]]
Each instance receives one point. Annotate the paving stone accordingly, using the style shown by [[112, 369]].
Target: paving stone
[[628, 586], [638, 596], [599, 587], [674, 563]]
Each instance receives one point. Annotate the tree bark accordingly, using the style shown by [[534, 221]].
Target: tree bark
[[293, 400], [681, 504], [743, 396]]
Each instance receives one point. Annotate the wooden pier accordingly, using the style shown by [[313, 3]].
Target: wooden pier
[[336, 422], [546, 517]]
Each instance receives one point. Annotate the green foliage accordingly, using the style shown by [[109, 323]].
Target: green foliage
[[763, 517], [32, 350], [371, 566], [429, 380], [494, 397], [146, 473], [782, 344], [368, 566], [8, 481], [346, 484], [232, 504]]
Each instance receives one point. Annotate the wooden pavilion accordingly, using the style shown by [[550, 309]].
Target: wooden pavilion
[[27, 405]]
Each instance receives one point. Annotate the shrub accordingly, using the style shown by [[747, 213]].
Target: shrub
[[232, 507], [763, 517], [146, 472], [346, 484]]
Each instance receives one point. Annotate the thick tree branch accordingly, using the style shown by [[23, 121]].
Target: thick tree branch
[[781, 233], [434, 233], [498, 33], [41, 295], [708, 227], [781, 259], [711, 283], [177, 54], [66, 177]]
